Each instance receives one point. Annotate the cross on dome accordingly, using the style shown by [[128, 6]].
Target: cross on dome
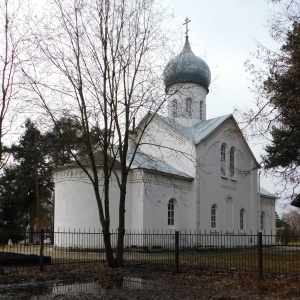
[[187, 20]]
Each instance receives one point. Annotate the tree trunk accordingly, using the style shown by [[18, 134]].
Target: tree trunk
[[108, 249], [121, 230], [105, 222]]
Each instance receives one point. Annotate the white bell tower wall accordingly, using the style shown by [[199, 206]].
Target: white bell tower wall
[[187, 103]]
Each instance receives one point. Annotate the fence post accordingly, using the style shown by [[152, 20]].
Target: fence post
[[42, 250], [260, 255], [177, 251]]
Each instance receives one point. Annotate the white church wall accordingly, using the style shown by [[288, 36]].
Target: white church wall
[[159, 190], [164, 143], [76, 208], [268, 207], [192, 214], [229, 194], [134, 200]]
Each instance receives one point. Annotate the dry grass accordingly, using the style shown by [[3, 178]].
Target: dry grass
[[275, 259]]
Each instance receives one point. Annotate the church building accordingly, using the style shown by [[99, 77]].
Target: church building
[[190, 172]]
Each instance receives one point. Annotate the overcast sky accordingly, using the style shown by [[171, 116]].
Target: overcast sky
[[225, 32]]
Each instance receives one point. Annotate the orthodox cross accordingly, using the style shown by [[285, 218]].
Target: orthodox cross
[[187, 20]]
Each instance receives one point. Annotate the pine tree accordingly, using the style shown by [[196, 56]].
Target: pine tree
[[283, 85], [34, 178], [26, 196], [66, 140]]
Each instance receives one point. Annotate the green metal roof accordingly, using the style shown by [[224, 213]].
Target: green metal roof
[[151, 163], [264, 192], [200, 131]]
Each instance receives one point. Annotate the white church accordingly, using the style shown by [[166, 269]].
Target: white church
[[190, 173]]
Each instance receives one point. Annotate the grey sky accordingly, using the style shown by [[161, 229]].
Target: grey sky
[[226, 33]]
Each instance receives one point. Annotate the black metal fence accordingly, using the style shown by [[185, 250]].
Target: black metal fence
[[255, 254]]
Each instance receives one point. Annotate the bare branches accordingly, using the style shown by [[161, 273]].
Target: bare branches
[[9, 63], [101, 54]]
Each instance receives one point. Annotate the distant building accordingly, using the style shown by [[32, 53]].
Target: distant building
[[296, 201]]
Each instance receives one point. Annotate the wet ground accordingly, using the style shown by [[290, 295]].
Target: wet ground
[[96, 281], [77, 290]]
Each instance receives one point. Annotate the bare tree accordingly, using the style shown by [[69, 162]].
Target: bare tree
[[11, 47], [292, 218], [100, 62]]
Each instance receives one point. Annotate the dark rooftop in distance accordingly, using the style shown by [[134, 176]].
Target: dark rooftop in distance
[[296, 201]]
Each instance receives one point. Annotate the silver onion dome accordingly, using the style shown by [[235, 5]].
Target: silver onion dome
[[187, 68]]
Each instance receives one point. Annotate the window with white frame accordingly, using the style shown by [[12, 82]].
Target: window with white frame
[[174, 108], [232, 163], [223, 160], [262, 220], [201, 110], [213, 217], [171, 212], [242, 219], [188, 107]]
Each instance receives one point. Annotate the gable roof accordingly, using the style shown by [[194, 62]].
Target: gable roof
[[198, 132], [203, 129], [141, 160], [151, 163], [99, 160]]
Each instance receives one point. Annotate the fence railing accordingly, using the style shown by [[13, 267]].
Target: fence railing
[[181, 251]]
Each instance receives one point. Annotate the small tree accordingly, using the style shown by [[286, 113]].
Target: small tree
[[280, 223], [292, 218]]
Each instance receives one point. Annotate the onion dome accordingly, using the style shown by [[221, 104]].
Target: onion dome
[[187, 68]]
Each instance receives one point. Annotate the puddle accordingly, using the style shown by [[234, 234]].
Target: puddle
[[20, 292], [50, 291], [136, 283]]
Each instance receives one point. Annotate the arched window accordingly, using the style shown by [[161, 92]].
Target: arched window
[[213, 217], [232, 166], [262, 220], [223, 160], [175, 108], [188, 107], [171, 212], [242, 219], [201, 110]]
